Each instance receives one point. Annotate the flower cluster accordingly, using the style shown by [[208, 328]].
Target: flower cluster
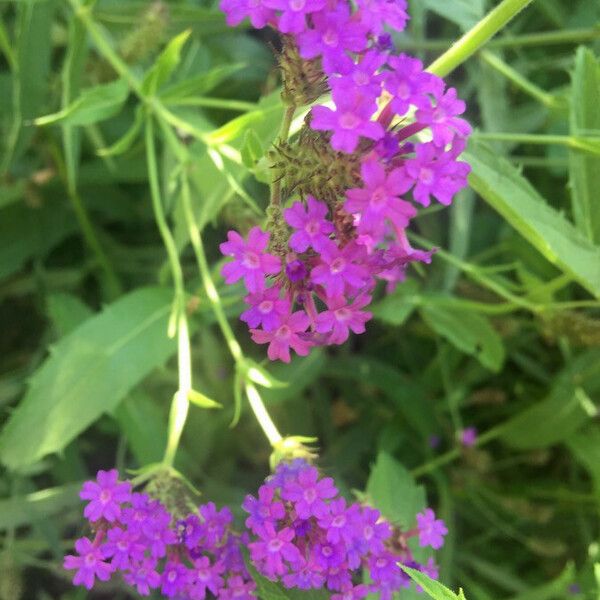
[[308, 537], [137, 536], [389, 143]]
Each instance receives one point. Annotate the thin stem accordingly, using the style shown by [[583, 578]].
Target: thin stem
[[474, 39], [222, 103], [589, 145], [180, 404], [203, 267], [284, 133], [521, 82], [262, 415]]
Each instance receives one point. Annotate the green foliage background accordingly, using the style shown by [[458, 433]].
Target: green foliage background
[[501, 332]]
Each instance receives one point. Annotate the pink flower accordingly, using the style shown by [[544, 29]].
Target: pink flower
[[308, 493], [350, 120], [144, 577], [89, 564], [273, 549], [351, 592], [286, 336], [437, 173], [266, 309], [293, 17], [106, 495], [378, 199], [340, 270], [341, 317], [441, 118], [251, 263], [312, 227], [431, 530], [334, 33], [237, 10]]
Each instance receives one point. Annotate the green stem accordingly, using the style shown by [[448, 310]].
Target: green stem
[[589, 145], [180, 404], [222, 103], [474, 39], [284, 133], [521, 82], [262, 415]]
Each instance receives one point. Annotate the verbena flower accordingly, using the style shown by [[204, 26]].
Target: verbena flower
[[431, 530], [151, 549], [353, 180], [105, 495], [308, 538]]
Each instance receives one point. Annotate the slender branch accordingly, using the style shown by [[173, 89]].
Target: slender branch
[[479, 35], [262, 415]]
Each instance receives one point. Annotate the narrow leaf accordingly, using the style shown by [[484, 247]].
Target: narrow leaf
[[508, 192], [433, 588], [87, 374], [165, 64], [93, 105]]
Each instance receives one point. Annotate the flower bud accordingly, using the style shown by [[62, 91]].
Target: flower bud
[[290, 448]]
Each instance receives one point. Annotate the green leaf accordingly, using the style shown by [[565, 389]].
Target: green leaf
[[557, 588], [93, 105], [465, 13], [433, 588], [469, 332], [23, 510], [87, 374], [585, 446], [199, 84], [252, 149], [397, 307], [393, 491], [165, 64], [199, 399], [584, 170], [508, 192], [269, 590], [126, 141], [563, 412], [67, 312]]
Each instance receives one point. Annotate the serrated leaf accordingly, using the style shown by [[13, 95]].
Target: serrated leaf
[[584, 170], [393, 491], [508, 192], [165, 64], [562, 412], [87, 374], [433, 588], [469, 332], [93, 105]]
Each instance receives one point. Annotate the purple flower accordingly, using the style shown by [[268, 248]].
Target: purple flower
[[436, 173], [123, 547], [312, 227], [407, 82], [350, 120], [468, 437], [286, 336], [215, 523], [431, 530], [237, 10], [144, 577], [274, 548], [264, 509], [384, 567], [337, 522], [341, 317], [266, 309], [334, 33], [251, 263], [362, 75], [293, 17], [340, 269], [441, 118], [372, 530], [305, 576], [190, 531], [375, 14], [157, 531], [89, 564], [308, 493], [296, 270], [106, 495], [328, 555], [205, 576], [378, 199], [238, 589], [351, 592], [174, 579]]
